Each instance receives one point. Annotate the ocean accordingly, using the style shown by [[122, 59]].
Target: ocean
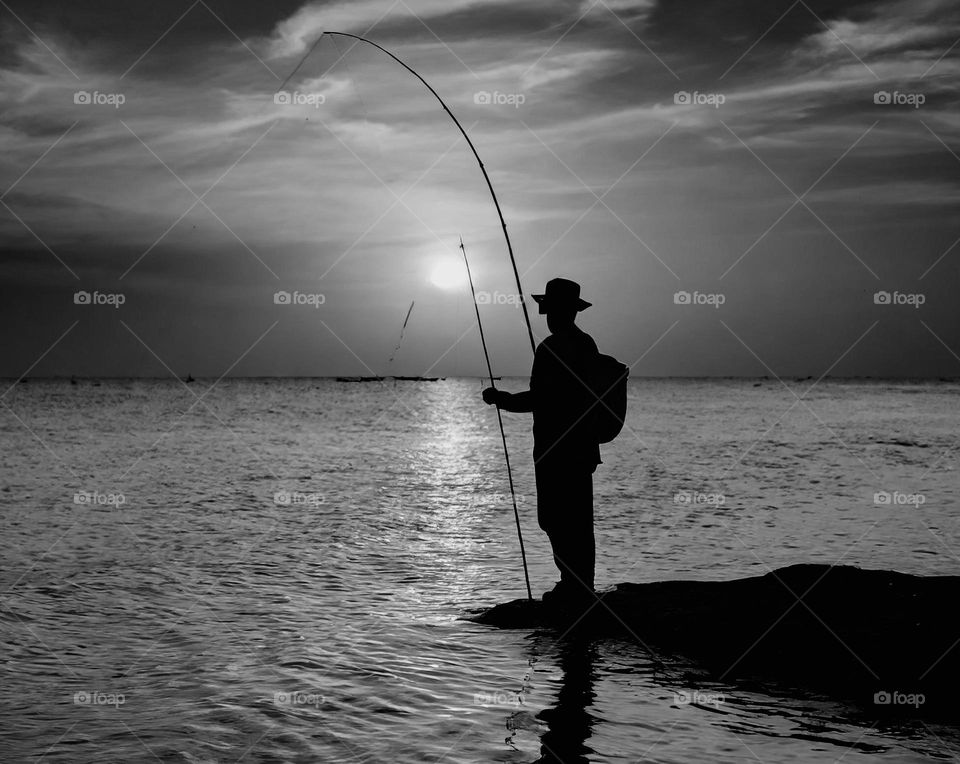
[[269, 570]]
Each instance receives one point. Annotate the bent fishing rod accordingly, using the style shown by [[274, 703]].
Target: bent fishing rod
[[486, 177], [503, 436], [506, 236]]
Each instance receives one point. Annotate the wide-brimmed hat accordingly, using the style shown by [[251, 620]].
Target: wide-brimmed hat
[[561, 293]]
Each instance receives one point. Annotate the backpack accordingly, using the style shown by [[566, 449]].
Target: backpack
[[608, 382]]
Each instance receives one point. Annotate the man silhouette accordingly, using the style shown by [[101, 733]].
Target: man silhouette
[[565, 450]]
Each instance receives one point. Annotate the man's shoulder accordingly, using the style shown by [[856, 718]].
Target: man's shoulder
[[577, 335], [577, 342], [584, 342], [590, 341], [550, 345]]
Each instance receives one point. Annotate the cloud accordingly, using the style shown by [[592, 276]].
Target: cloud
[[630, 7], [313, 197], [292, 36], [567, 66]]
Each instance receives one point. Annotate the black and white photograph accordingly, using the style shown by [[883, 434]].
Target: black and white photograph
[[466, 381]]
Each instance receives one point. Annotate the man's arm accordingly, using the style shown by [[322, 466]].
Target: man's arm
[[520, 403], [516, 402]]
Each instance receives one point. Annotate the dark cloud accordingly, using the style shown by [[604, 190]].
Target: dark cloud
[[313, 191], [112, 33]]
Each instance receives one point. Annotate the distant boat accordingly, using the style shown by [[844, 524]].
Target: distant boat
[[189, 379], [73, 380], [395, 378], [381, 379]]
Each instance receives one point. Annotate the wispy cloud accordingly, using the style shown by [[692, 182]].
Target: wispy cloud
[[366, 183]]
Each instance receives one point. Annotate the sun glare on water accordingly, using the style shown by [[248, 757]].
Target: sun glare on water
[[449, 275]]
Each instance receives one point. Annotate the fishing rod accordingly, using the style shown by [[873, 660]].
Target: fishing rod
[[402, 330], [503, 436], [493, 194]]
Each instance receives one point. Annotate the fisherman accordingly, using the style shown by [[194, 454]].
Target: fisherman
[[565, 450]]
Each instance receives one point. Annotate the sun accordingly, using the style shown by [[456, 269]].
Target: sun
[[448, 275]]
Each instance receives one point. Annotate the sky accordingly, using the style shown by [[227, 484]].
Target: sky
[[745, 188]]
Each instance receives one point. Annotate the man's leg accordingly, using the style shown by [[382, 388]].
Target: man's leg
[[548, 498], [565, 512], [579, 544]]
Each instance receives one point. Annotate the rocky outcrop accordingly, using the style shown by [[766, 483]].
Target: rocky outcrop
[[886, 640]]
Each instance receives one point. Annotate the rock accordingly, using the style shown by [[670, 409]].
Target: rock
[[840, 630]]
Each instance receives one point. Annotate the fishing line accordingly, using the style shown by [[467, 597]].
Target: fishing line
[[356, 89], [503, 436], [506, 236], [297, 67], [483, 169]]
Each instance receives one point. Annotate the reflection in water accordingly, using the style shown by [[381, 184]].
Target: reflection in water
[[569, 723], [767, 721], [202, 598]]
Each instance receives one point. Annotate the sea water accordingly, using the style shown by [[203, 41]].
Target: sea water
[[277, 570]]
